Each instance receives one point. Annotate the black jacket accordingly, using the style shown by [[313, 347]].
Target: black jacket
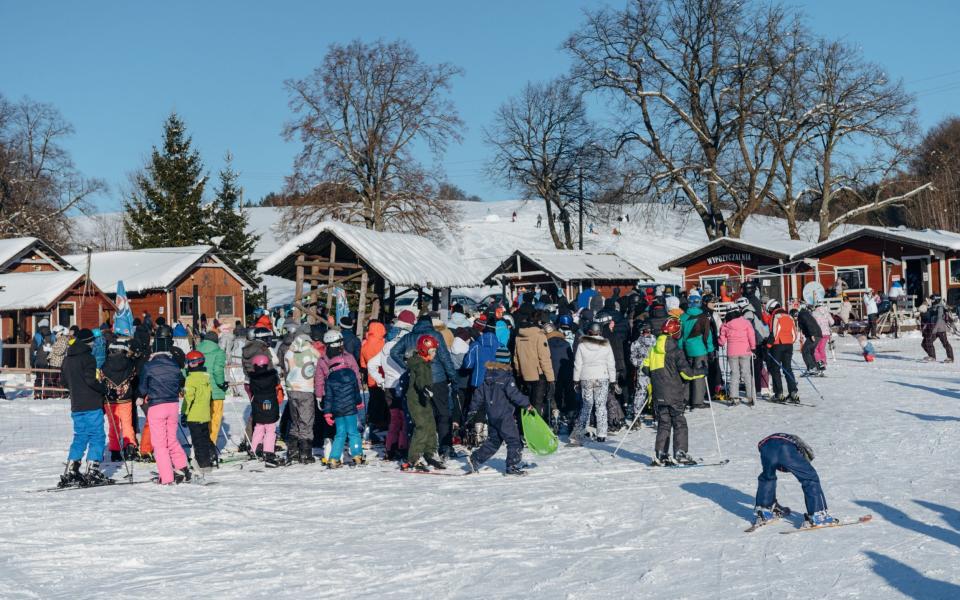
[[80, 377], [808, 325], [263, 389], [341, 392], [561, 355], [118, 371], [351, 344], [498, 394], [669, 372]]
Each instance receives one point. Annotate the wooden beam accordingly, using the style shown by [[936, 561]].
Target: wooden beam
[[307, 309], [364, 279], [330, 286], [298, 290], [333, 259], [314, 277], [324, 264]]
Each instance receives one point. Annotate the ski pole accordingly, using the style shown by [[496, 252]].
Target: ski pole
[[714, 419], [814, 387], [629, 429]]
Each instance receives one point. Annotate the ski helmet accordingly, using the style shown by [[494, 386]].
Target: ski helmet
[[565, 321], [772, 304], [164, 331], [742, 303], [671, 327], [195, 359], [260, 361], [594, 328], [548, 327], [425, 344], [333, 338], [694, 300], [934, 298]]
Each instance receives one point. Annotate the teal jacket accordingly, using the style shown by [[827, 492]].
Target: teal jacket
[[700, 343], [214, 361]]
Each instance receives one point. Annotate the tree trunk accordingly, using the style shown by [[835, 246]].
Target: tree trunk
[[827, 196], [558, 244]]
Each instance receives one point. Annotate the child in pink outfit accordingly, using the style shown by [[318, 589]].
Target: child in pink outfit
[[824, 319], [738, 336]]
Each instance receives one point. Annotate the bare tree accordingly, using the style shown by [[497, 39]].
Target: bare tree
[[938, 160], [859, 108], [545, 146], [39, 184], [359, 116], [690, 77]]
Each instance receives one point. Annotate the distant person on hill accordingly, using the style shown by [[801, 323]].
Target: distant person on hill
[[514, 218], [539, 220]]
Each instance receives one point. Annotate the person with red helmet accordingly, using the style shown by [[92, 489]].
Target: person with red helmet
[[423, 447], [669, 373], [196, 413]]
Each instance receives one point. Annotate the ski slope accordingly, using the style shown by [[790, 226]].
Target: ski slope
[[582, 525]]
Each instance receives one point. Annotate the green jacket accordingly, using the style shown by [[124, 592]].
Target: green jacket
[[696, 337], [215, 361], [196, 397], [421, 378]]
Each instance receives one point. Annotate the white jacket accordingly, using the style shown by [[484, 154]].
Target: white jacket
[[301, 363], [383, 369], [594, 360]]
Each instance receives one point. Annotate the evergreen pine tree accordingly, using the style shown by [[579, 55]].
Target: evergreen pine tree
[[166, 208], [228, 224]]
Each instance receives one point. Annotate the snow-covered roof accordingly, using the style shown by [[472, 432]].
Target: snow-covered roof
[[35, 290], [775, 248], [575, 265], [936, 239], [143, 270], [400, 258], [13, 248]]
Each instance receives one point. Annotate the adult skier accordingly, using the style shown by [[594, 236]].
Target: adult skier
[[787, 453], [812, 334], [933, 325], [783, 333], [79, 376], [301, 365], [594, 368], [697, 341]]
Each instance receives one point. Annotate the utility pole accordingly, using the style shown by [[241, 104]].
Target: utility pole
[[580, 194]]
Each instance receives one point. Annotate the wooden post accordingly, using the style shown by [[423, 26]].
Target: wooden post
[[363, 303], [333, 259], [298, 293], [393, 301], [314, 278]]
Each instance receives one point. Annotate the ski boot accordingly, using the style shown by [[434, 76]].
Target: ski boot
[[293, 452], [682, 458], [601, 440], [473, 464], [182, 475], [767, 514], [306, 452], [819, 519], [333, 464], [948, 361], [147, 457], [928, 359], [116, 456], [259, 452], [270, 460], [720, 396], [131, 453], [359, 460], [94, 476], [514, 470], [243, 446], [71, 475], [433, 462], [821, 367], [794, 398], [662, 459]]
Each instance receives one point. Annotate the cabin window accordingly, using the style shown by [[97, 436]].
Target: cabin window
[[225, 306], [186, 306], [955, 271], [854, 277], [67, 314]]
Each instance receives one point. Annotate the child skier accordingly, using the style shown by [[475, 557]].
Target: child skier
[[79, 376], [337, 382], [197, 410], [160, 386], [669, 374], [119, 371], [639, 351], [498, 394], [423, 446], [866, 347], [265, 394], [789, 454]]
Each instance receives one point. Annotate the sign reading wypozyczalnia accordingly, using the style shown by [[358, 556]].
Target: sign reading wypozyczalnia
[[730, 257]]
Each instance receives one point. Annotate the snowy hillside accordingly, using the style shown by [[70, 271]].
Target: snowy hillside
[[487, 235], [582, 525]]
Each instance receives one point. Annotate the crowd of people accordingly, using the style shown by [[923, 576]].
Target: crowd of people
[[426, 387]]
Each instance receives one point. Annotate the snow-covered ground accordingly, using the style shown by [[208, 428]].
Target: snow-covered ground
[[583, 524]]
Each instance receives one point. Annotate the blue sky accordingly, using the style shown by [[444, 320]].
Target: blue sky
[[116, 69]]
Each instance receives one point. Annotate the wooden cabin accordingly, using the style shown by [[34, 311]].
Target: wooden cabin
[[170, 282], [28, 255]]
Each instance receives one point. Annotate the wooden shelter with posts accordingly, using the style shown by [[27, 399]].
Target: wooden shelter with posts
[[569, 270], [374, 267]]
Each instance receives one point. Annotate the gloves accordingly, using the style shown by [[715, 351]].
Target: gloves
[[183, 420], [428, 392], [617, 390], [328, 418], [530, 409], [360, 407]]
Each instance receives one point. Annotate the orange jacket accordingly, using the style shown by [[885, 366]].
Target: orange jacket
[[372, 345]]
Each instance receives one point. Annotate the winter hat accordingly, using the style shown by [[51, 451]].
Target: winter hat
[[406, 317], [43, 323], [673, 303], [179, 330], [211, 336], [503, 355], [85, 336], [346, 322]]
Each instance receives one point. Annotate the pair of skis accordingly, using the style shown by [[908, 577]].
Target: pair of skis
[[699, 463], [859, 521]]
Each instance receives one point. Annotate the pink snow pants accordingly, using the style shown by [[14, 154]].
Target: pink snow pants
[[266, 433], [820, 352], [397, 434], [163, 420]]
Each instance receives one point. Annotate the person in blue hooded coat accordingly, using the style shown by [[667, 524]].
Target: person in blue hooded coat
[[482, 350], [500, 396]]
